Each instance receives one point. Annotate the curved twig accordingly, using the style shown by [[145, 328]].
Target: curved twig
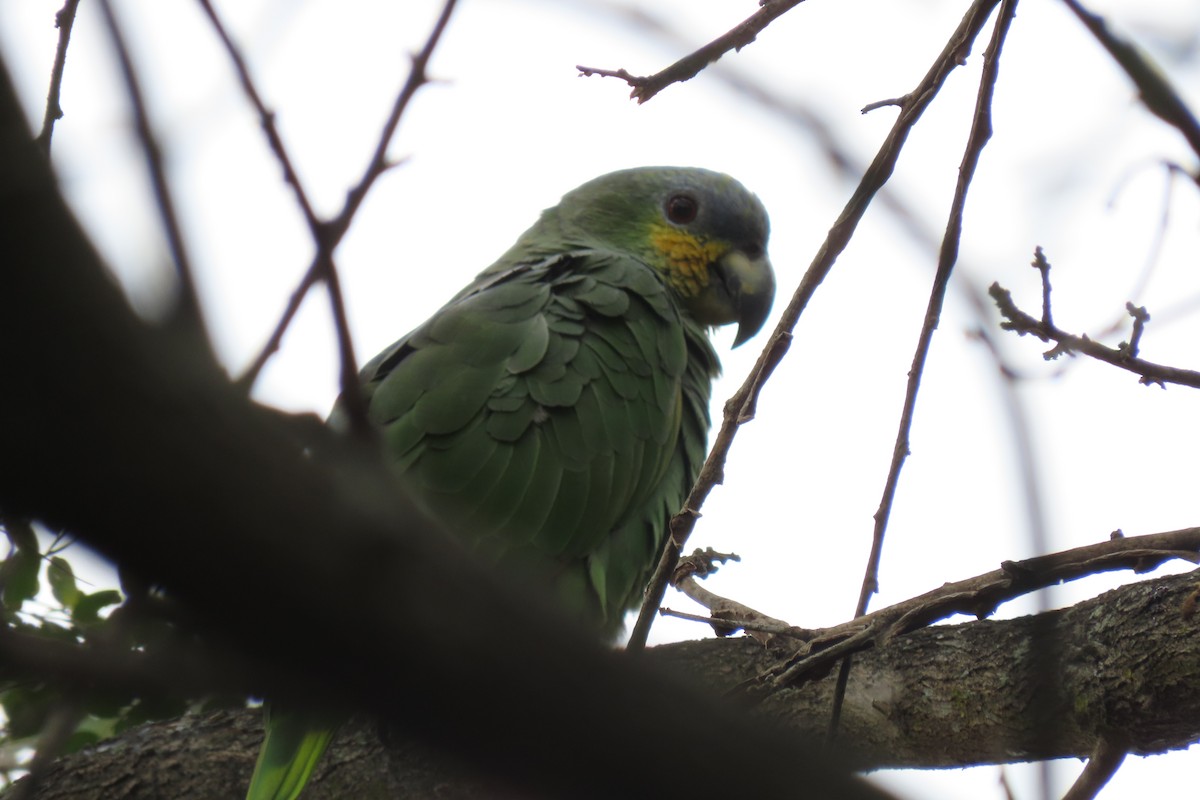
[[1104, 763], [688, 67], [328, 234], [187, 309]]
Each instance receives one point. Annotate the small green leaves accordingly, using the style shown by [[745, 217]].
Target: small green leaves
[[87, 609], [19, 572], [62, 582]]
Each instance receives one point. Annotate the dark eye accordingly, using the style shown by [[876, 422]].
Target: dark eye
[[682, 209]]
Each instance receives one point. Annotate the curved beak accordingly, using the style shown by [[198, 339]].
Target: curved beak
[[750, 283]]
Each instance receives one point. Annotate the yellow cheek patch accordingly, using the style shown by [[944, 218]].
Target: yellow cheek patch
[[687, 258]]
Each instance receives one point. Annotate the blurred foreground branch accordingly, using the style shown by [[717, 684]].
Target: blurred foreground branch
[[947, 696]]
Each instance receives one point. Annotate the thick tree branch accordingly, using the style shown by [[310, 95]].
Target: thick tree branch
[[947, 696]]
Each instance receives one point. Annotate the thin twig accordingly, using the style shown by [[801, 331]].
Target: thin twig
[[1004, 787], [1067, 343], [187, 309], [751, 624], [981, 595], [726, 616], [266, 118], [1104, 763], [740, 407], [981, 132], [63, 20], [1042, 265], [330, 233], [688, 67], [1140, 317], [248, 378]]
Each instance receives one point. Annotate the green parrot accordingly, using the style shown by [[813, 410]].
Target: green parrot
[[555, 412]]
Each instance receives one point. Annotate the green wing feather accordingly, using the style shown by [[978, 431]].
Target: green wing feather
[[555, 413], [294, 743]]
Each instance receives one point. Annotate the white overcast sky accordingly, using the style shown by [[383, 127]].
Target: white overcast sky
[[1075, 165]]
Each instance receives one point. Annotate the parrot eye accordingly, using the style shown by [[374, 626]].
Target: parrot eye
[[682, 209]]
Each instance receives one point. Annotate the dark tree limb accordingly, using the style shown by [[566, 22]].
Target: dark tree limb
[[947, 696]]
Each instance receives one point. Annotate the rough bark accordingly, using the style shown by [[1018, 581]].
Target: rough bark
[[1121, 667]]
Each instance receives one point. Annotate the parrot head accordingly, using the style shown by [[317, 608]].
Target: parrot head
[[704, 232]]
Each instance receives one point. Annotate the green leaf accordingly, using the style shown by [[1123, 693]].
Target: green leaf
[[105, 704], [79, 740], [87, 608], [90, 730], [21, 535], [19, 573], [62, 582], [27, 707]]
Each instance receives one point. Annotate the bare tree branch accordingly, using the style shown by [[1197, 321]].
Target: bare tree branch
[[981, 132], [187, 310], [691, 65], [63, 20], [981, 595], [1122, 356], [948, 696], [328, 234]]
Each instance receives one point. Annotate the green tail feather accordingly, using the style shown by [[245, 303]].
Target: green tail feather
[[294, 743]]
